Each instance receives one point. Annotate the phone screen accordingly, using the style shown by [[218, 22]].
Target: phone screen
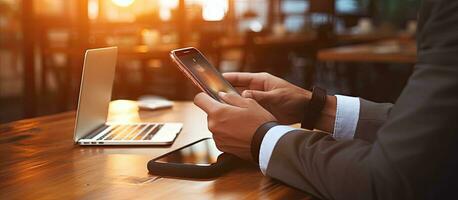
[[203, 152], [204, 73]]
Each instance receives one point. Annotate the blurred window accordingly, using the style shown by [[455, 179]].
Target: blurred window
[[294, 12], [252, 22], [354, 7]]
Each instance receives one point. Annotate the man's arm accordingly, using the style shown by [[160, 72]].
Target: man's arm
[[352, 115], [404, 162], [409, 156], [314, 162], [371, 117], [347, 118], [414, 151]]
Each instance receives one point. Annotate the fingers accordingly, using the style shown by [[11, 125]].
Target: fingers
[[254, 81], [241, 89], [233, 99], [206, 103], [234, 78], [259, 96]]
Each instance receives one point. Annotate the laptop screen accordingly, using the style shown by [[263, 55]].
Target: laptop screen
[[95, 90]]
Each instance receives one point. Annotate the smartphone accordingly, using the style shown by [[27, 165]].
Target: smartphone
[[201, 160], [202, 153], [197, 68]]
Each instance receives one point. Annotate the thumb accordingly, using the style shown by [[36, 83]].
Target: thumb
[[257, 95], [232, 99], [206, 103]]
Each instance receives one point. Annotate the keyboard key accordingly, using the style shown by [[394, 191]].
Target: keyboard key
[[113, 127], [115, 132], [124, 132], [153, 132], [136, 132], [131, 131], [144, 132]]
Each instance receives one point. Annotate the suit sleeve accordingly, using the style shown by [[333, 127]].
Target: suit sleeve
[[371, 117], [315, 163], [414, 150], [405, 161]]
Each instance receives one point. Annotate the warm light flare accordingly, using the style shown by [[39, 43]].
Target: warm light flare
[[256, 26], [123, 111], [169, 4], [123, 3], [165, 14], [214, 10], [93, 9], [166, 7]]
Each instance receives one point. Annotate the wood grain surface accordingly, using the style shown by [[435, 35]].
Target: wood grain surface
[[388, 51], [38, 160]]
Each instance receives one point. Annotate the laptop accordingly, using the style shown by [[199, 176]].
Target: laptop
[[92, 127]]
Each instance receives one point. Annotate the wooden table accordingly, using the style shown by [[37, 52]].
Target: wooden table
[[387, 51], [351, 37], [39, 161], [239, 42]]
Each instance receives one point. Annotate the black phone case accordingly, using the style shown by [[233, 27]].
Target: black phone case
[[224, 163]]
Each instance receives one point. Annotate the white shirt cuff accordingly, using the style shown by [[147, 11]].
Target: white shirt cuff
[[268, 144], [347, 116]]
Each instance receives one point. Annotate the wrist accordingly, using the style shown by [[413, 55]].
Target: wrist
[[328, 115], [305, 97], [313, 109], [257, 138]]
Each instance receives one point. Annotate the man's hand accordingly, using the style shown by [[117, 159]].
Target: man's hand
[[284, 100], [233, 124]]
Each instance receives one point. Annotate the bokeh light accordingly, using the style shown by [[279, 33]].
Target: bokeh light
[[214, 10], [123, 3]]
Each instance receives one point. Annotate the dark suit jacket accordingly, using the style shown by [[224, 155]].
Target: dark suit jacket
[[403, 151]]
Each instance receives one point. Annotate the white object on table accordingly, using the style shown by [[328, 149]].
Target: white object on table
[[154, 102]]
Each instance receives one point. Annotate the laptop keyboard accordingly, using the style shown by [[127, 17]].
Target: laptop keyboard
[[126, 132]]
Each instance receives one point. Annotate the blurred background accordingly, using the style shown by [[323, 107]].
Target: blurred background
[[355, 47]]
